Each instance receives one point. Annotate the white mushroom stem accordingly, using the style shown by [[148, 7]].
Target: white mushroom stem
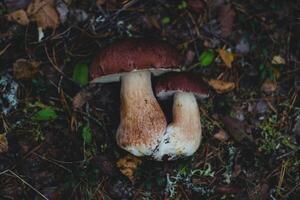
[[142, 122], [183, 135]]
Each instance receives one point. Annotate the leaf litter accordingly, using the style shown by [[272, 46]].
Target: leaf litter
[[249, 124]]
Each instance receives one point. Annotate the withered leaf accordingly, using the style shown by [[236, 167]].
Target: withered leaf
[[19, 16], [227, 57], [25, 69], [44, 13], [221, 135], [226, 19], [3, 144], [128, 166], [221, 86]]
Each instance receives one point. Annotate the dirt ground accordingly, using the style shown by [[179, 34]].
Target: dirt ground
[[57, 131]]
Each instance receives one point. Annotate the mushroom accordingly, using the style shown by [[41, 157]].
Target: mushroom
[[183, 134], [142, 121]]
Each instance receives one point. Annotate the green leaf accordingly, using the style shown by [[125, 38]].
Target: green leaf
[[206, 58], [45, 114], [87, 134], [81, 74], [165, 20], [182, 5]]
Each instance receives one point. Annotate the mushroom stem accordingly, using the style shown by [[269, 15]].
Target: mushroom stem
[[183, 135], [142, 122]]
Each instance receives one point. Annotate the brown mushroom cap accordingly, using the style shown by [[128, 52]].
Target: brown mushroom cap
[[171, 83], [134, 54]]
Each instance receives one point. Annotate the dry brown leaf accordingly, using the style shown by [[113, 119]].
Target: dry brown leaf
[[227, 57], [19, 16], [44, 13], [221, 136], [128, 166], [25, 69], [269, 86], [81, 98], [3, 144], [221, 86], [226, 19]]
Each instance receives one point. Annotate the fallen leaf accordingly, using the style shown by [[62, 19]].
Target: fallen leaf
[[81, 74], [236, 129], [87, 134], [221, 135], [278, 60], [221, 86], [206, 58], [45, 114], [86, 94], [81, 98], [19, 16], [44, 13], [3, 144], [269, 86], [128, 166], [25, 69], [226, 18], [227, 57]]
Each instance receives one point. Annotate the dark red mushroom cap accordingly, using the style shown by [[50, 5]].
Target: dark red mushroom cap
[[171, 83], [134, 54]]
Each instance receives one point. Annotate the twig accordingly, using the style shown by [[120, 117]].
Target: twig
[[53, 162], [23, 181], [5, 48]]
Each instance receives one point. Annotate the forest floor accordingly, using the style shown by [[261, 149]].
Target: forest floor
[[247, 51]]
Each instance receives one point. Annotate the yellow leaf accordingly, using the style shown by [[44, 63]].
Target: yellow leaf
[[221, 86], [128, 166], [227, 57], [3, 144], [19, 16], [278, 60], [44, 13]]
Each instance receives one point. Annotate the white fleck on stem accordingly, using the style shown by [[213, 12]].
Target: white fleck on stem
[[40, 33]]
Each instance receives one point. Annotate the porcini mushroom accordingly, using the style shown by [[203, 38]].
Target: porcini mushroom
[[183, 134], [142, 121]]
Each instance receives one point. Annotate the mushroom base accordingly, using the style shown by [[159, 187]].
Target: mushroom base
[[142, 122], [183, 135]]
